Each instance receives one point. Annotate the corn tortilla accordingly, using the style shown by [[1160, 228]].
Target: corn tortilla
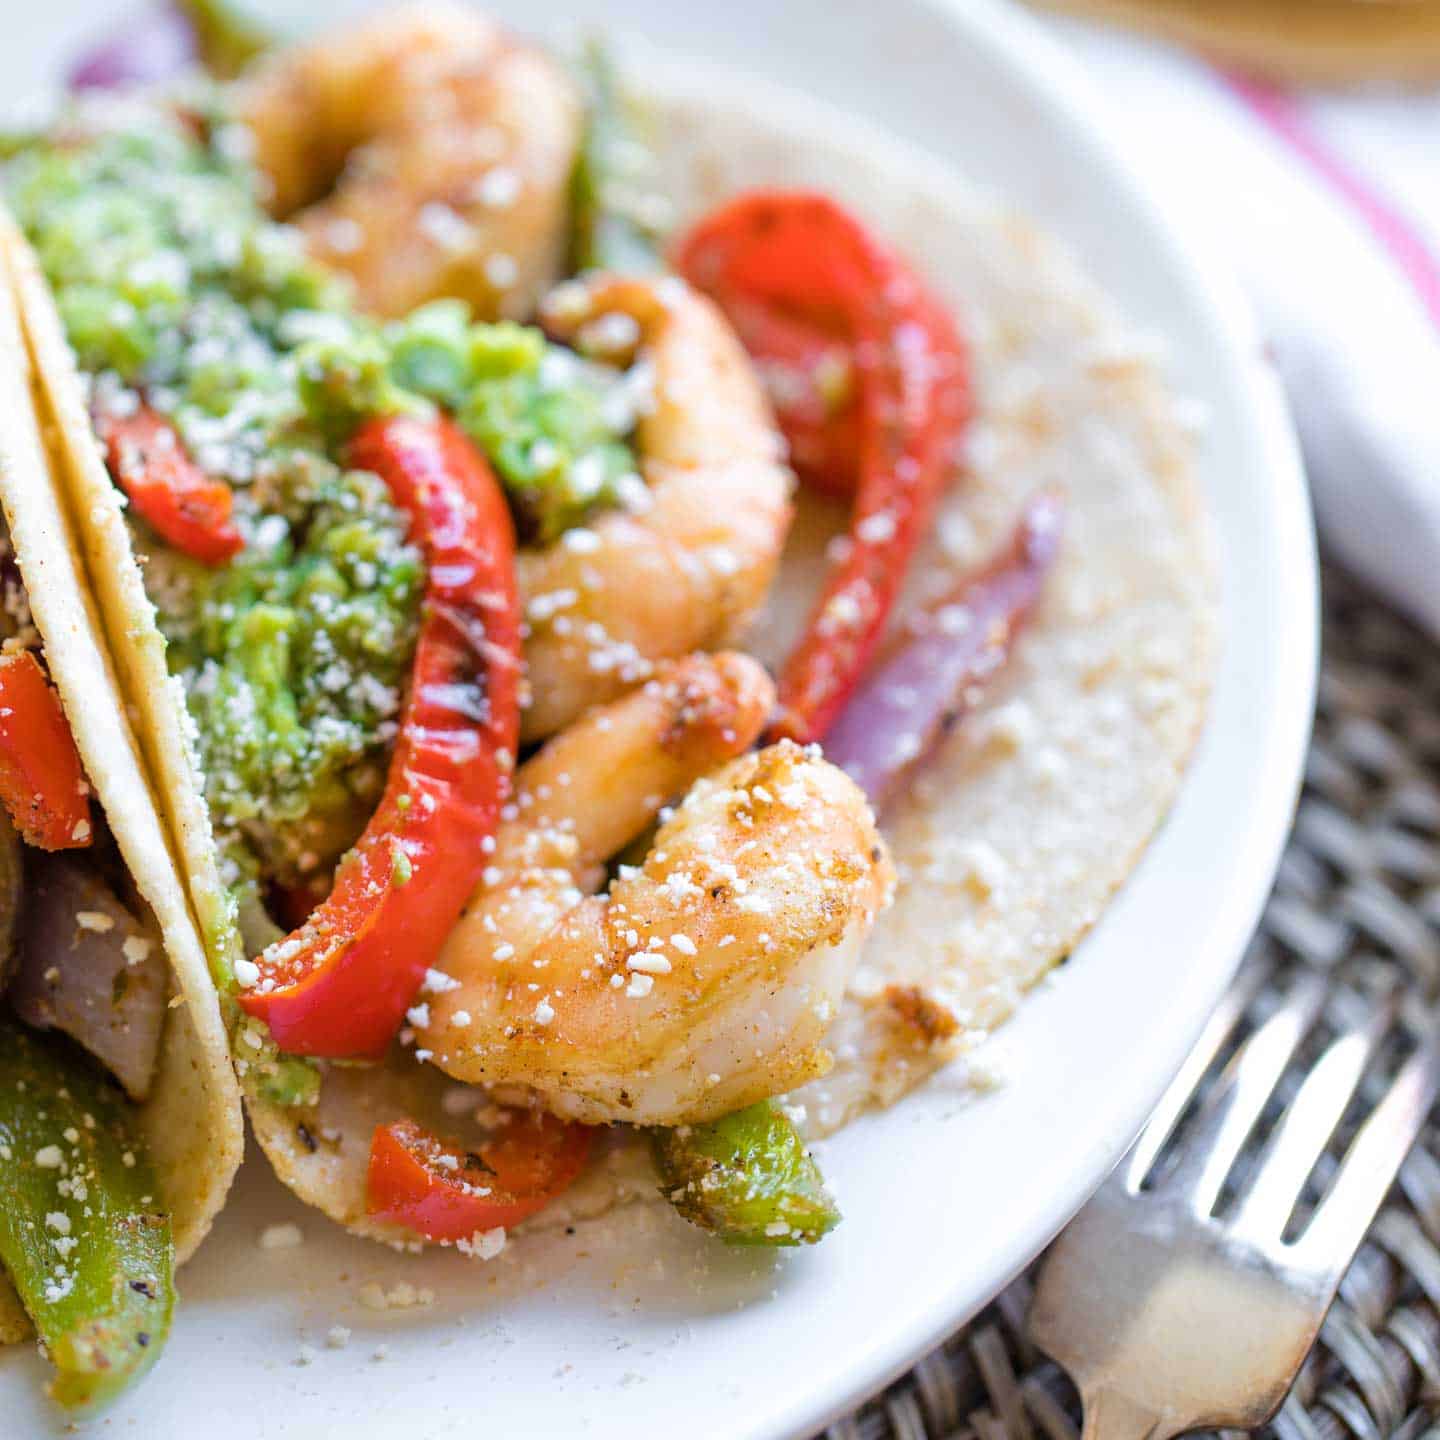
[[1031, 816], [192, 1120]]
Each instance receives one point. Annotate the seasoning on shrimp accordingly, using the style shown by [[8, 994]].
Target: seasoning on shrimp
[[687, 561], [454, 143], [758, 907]]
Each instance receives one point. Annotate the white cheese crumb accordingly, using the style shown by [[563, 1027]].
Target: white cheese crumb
[[986, 1072], [953, 620], [344, 236], [483, 1244], [581, 541], [609, 334], [498, 188], [984, 864], [1014, 725], [501, 271], [48, 1157], [842, 612], [443, 226], [281, 1237], [876, 529], [640, 986], [1050, 765], [247, 973], [136, 949], [400, 1296], [544, 1013], [96, 920]]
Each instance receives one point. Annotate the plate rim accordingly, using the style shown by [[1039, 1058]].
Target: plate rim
[[1021, 44]]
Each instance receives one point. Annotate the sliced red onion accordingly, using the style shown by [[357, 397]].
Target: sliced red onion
[[155, 44], [911, 700], [90, 967]]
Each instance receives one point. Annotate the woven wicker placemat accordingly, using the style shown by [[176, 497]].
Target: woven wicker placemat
[[1358, 889]]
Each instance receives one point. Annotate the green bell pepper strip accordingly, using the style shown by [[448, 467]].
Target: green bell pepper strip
[[227, 38], [746, 1177], [610, 182], [80, 1237]]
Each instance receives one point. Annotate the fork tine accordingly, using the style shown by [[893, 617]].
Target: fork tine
[[1238, 1097], [1371, 1164], [1305, 1129], [1227, 1015]]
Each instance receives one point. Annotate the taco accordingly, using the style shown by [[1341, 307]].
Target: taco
[[359, 537], [1310, 41], [120, 1119]]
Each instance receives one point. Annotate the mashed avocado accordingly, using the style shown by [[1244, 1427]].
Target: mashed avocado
[[177, 289]]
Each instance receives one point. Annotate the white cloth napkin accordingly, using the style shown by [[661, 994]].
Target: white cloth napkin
[[1328, 208]]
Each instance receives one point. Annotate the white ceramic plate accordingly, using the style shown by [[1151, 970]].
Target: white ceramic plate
[[636, 1326]]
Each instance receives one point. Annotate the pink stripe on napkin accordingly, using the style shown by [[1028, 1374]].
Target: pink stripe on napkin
[[1279, 113]]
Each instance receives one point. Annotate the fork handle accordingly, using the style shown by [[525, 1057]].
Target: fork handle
[[1111, 1415]]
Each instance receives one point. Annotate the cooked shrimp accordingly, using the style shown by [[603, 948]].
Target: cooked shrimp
[[706, 978], [687, 566], [424, 151]]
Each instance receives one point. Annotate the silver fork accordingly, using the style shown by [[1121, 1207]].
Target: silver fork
[[1169, 1316]]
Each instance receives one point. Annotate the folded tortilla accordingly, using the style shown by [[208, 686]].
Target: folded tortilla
[[192, 1119], [1027, 820]]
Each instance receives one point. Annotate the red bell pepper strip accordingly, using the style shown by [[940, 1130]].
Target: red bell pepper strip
[[807, 366], [185, 506], [42, 782], [445, 1192], [340, 983], [786, 263]]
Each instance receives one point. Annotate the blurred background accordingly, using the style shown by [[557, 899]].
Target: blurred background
[[1298, 138], [1342, 42]]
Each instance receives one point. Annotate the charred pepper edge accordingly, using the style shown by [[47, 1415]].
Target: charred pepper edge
[[105, 1328], [470, 630], [752, 1160]]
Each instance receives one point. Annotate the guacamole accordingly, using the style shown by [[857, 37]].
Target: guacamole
[[176, 290]]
